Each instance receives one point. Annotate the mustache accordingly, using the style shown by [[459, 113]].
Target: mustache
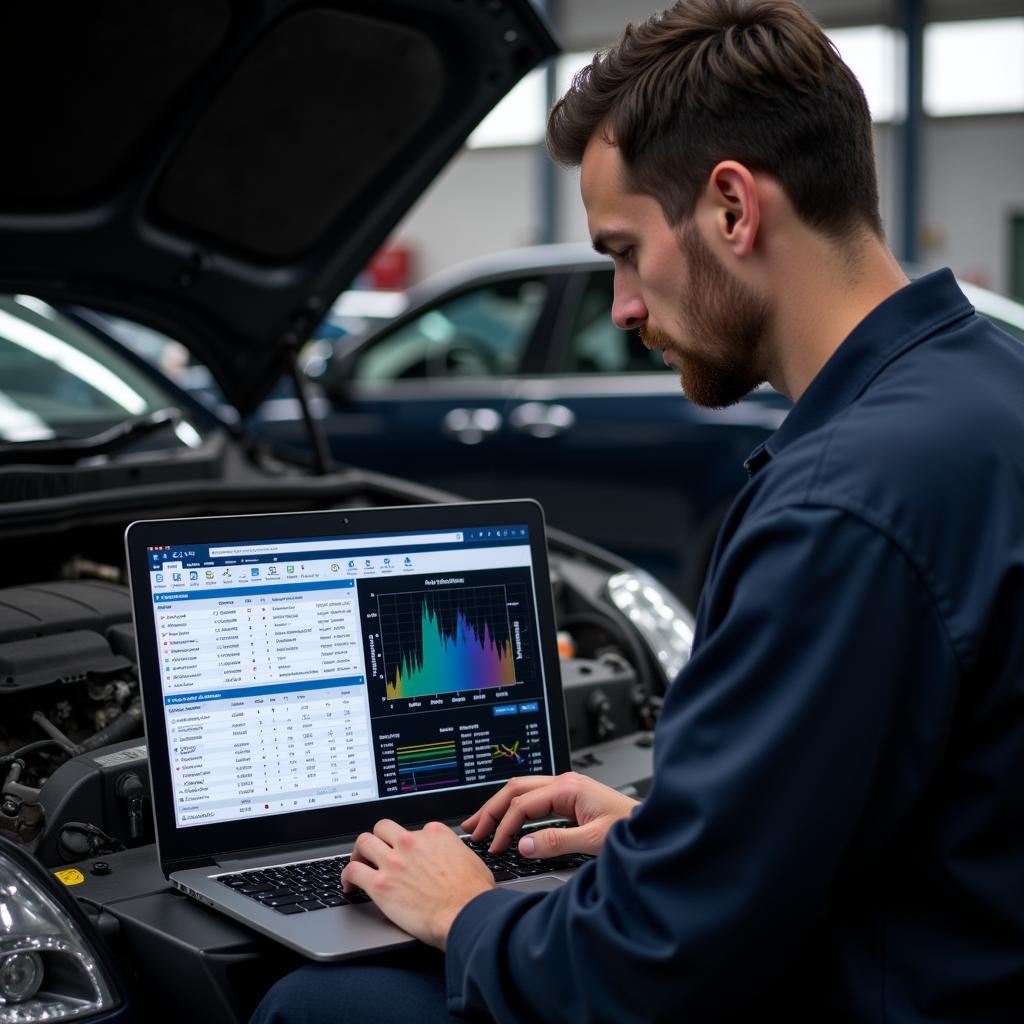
[[653, 338]]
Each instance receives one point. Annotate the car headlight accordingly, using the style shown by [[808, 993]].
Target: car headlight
[[49, 968], [658, 615]]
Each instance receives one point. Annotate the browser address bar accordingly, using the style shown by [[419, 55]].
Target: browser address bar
[[336, 545]]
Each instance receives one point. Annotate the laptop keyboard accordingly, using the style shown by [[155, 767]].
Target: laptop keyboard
[[316, 884]]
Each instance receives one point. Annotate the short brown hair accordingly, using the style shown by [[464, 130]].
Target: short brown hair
[[756, 81]]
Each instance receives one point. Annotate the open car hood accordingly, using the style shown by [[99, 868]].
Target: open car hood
[[219, 169]]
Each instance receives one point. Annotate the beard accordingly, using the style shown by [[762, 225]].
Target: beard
[[726, 318]]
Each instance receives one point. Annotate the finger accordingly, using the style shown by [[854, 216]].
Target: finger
[[490, 812], [484, 821], [369, 849], [554, 842], [531, 806], [389, 831], [357, 875], [495, 806]]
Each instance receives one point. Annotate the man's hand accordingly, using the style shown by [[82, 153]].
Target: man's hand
[[420, 880], [592, 805]]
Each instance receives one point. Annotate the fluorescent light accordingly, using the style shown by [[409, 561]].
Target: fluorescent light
[[187, 434], [974, 67], [36, 305], [20, 424], [71, 359]]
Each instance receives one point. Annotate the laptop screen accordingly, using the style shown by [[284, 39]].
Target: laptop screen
[[303, 673]]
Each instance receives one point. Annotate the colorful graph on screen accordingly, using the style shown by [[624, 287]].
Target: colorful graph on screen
[[426, 766], [447, 641], [509, 751]]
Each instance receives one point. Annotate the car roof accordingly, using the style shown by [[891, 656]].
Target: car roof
[[563, 256], [576, 256]]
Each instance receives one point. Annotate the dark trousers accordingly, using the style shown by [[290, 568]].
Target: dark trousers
[[371, 991]]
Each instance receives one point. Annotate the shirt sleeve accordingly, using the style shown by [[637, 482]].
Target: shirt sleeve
[[788, 751]]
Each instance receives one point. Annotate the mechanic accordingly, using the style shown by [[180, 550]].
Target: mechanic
[[835, 830]]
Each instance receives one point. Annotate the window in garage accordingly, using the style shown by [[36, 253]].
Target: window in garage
[[974, 67]]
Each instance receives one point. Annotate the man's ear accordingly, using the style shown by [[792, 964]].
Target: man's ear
[[732, 195]]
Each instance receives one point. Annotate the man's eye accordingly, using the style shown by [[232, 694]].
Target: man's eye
[[626, 255]]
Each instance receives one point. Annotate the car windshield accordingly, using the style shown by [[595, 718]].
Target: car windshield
[[59, 381]]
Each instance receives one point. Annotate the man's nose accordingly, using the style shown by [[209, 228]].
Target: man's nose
[[628, 309]]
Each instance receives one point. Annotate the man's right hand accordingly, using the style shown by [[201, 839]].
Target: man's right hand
[[592, 805]]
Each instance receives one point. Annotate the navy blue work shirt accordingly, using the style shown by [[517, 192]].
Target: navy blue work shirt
[[835, 830]]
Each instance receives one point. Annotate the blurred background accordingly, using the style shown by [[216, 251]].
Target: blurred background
[[475, 352], [945, 83]]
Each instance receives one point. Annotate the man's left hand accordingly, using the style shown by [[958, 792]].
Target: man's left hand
[[420, 880]]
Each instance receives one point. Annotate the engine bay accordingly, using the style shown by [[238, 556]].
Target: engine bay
[[73, 769]]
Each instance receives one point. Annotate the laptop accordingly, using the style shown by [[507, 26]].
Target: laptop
[[306, 674]]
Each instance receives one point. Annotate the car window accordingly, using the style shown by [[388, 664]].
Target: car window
[[57, 380], [595, 344], [478, 333]]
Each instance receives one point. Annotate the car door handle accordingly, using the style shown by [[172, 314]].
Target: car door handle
[[471, 426], [538, 419]]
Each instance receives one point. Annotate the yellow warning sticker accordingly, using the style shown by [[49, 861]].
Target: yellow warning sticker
[[70, 876]]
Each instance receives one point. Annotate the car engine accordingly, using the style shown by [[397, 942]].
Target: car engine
[[68, 687], [73, 769]]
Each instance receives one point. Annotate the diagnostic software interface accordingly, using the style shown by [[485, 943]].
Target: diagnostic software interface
[[306, 673]]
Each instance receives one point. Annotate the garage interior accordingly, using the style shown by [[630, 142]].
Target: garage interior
[[952, 191]]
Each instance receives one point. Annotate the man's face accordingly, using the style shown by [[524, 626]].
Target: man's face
[[670, 285]]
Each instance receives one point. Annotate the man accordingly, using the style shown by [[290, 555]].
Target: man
[[835, 830]]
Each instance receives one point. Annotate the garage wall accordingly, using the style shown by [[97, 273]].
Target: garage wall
[[973, 182], [488, 200], [485, 201], [972, 174]]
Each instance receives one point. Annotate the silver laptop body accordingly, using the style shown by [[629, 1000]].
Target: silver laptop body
[[306, 674]]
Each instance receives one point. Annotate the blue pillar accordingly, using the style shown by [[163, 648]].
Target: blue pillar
[[913, 25], [547, 173]]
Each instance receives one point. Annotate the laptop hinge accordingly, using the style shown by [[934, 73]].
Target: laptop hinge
[[236, 860], [239, 860]]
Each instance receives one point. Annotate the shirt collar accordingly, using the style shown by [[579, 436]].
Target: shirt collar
[[903, 320]]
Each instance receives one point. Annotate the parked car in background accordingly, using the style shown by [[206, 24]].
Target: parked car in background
[[506, 376]]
